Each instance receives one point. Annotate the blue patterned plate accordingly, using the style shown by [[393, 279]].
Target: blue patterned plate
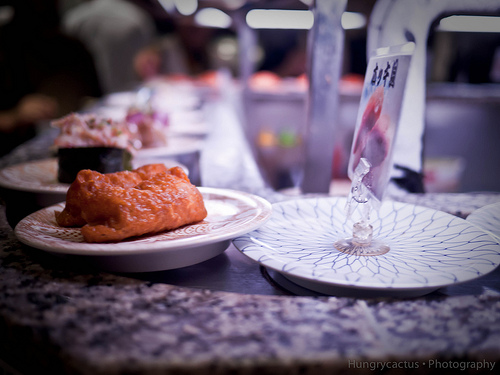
[[487, 218], [429, 249]]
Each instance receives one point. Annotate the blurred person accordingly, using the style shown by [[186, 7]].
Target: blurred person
[[284, 51], [179, 48], [166, 55], [43, 73], [114, 31], [135, 40], [17, 121]]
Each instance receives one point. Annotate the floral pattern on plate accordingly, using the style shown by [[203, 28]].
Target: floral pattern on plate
[[230, 214]]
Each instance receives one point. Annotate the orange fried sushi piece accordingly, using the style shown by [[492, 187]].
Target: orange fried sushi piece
[[114, 206]]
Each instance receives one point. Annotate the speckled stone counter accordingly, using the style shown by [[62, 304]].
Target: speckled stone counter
[[68, 320], [59, 317]]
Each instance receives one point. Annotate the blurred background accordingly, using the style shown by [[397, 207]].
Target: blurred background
[[76, 51]]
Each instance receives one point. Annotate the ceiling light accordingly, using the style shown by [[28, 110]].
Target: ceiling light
[[296, 19], [473, 24], [279, 19], [212, 17], [353, 20], [186, 7]]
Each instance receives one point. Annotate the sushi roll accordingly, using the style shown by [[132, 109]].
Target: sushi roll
[[72, 160], [90, 142]]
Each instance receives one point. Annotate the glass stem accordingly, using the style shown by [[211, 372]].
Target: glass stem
[[362, 233]]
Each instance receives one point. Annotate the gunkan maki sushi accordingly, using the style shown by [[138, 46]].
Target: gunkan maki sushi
[[87, 141]]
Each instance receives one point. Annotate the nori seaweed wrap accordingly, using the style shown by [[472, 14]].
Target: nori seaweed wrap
[[101, 159], [88, 141]]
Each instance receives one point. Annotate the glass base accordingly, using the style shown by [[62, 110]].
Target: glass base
[[348, 246]]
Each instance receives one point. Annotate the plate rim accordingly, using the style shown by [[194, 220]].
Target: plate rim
[[195, 143], [58, 188], [278, 265], [132, 247], [471, 218]]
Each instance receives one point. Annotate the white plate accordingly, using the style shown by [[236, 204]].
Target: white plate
[[188, 128], [460, 204], [428, 249], [187, 123], [120, 99], [40, 176], [230, 214], [487, 218], [176, 145]]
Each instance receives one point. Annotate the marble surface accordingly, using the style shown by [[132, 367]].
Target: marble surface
[[61, 317]]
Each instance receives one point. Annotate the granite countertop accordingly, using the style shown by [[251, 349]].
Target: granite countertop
[[71, 320], [62, 317]]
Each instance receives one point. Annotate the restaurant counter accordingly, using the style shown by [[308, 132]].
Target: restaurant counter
[[229, 315]]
